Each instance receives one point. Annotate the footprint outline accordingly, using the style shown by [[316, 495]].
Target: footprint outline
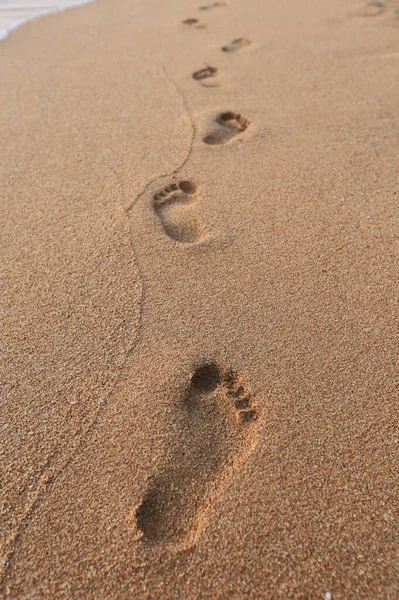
[[236, 45], [217, 4], [205, 73], [232, 124], [173, 206], [195, 23], [167, 515]]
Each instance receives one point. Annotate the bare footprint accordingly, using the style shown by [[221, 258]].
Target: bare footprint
[[194, 23], [173, 205], [231, 123], [218, 434], [207, 76], [213, 5], [374, 8], [204, 73], [237, 45], [370, 8]]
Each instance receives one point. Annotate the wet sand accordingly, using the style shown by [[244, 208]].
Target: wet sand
[[15, 13]]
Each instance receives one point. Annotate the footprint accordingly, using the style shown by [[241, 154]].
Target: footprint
[[219, 423], [213, 5], [207, 76], [374, 8], [194, 23], [206, 72], [237, 45], [232, 124], [173, 205]]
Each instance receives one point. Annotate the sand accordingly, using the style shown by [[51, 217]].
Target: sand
[[199, 283]]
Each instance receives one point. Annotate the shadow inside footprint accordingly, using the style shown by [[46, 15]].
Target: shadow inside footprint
[[173, 205], [213, 5], [205, 73], [236, 44], [194, 23], [374, 8], [205, 379], [219, 415], [231, 123]]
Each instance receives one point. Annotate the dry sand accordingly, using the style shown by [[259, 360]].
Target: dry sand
[[199, 270]]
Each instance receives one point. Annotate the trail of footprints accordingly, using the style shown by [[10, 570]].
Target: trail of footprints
[[219, 413], [174, 204], [221, 419], [218, 410]]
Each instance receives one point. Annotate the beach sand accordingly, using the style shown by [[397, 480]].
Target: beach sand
[[199, 283]]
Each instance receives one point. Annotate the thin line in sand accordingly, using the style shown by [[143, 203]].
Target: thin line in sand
[[49, 473]]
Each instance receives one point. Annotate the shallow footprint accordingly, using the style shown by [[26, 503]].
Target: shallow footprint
[[194, 23], [374, 8], [206, 72], [213, 5], [232, 124], [219, 434], [236, 45], [179, 219], [207, 76]]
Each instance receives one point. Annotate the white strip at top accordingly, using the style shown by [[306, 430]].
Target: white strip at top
[[14, 13]]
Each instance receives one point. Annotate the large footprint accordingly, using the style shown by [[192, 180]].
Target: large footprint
[[231, 125], [220, 433], [174, 207]]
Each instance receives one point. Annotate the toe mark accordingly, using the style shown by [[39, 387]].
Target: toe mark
[[241, 403], [234, 121]]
